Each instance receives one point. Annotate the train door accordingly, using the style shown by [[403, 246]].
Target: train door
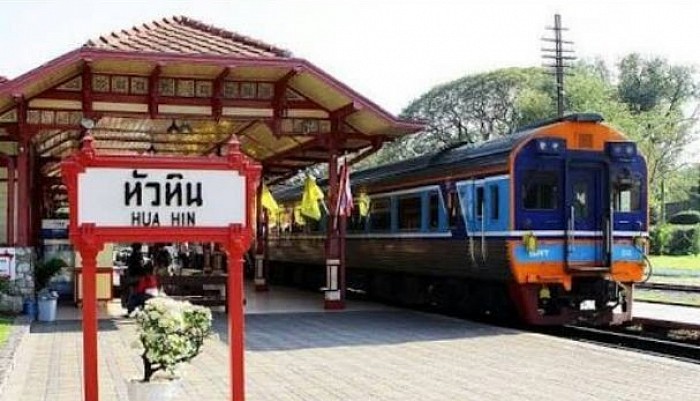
[[587, 216], [467, 193]]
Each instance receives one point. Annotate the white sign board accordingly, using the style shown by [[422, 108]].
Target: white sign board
[[119, 197]]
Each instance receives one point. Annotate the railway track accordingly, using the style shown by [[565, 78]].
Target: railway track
[[677, 349], [668, 287]]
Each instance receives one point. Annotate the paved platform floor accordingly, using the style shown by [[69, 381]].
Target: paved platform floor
[[370, 353], [671, 313]]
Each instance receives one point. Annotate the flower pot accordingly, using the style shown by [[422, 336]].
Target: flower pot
[[157, 390], [47, 309]]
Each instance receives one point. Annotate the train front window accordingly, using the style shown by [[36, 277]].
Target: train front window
[[540, 190], [581, 200], [627, 195]]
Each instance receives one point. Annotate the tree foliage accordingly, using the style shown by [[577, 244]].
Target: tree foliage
[[472, 109]]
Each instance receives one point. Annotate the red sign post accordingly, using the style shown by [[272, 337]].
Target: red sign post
[[161, 199]]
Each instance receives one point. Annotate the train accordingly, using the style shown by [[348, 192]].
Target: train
[[547, 225]]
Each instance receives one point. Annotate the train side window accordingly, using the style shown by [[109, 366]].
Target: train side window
[[627, 195], [409, 212], [433, 210], [479, 204], [380, 214], [453, 208], [494, 202], [540, 190]]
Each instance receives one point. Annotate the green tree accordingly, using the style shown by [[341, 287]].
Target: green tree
[[658, 95], [472, 109]]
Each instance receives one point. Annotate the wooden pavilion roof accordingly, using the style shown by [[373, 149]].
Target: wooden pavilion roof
[[184, 35], [207, 83]]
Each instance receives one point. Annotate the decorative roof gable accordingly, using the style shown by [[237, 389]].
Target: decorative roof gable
[[187, 36]]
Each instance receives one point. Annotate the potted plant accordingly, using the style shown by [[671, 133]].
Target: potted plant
[[170, 332], [9, 300], [47, 299]]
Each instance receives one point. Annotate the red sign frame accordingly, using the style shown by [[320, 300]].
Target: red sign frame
[[90, 239]]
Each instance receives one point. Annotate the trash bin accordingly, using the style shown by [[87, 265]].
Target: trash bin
[[29, 308], [47, 306]]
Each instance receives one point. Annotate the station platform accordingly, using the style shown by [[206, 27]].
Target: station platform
[[277, 300], [672, 314], [297, 351]]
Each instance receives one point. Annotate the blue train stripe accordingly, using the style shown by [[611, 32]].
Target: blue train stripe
[[580, 253]]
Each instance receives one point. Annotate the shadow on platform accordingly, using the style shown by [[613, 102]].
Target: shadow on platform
[[293, 331]]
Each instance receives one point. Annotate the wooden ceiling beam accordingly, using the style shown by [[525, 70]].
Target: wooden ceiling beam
[[51, 151], [153, 91], [228, 137], [317, 141], [217, 106], [345, 111], [86, 91], [279, 100], [282, 178]]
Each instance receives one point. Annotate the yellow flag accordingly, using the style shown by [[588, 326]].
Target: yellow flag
[[309, 201], [298, 218], [363, 202], [269, 202]]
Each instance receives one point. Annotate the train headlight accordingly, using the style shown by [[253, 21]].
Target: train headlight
[[550, 146], [621, 151]]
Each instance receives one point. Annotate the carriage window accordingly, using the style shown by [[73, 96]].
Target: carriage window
[[452, 208], [433, 210], [540, 190], [479, 205], [627, 195], [409, 212], [494, 202], [380, 214]]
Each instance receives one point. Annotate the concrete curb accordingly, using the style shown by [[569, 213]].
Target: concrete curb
[[8, 352]]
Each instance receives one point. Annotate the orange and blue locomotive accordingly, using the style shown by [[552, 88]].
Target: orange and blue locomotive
[[548, 223]]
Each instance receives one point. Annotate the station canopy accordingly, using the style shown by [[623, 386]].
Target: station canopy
[[178, 86]]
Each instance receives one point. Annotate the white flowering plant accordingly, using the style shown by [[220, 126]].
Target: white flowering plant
[[170, 332]]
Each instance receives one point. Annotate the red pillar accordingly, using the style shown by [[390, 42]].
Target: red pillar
[[36, 194], [89, 276], [23, 174], [11, 202], [334, 296], [23, 198], [236, 324]]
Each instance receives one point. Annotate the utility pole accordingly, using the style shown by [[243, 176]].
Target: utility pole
[[561, 56]]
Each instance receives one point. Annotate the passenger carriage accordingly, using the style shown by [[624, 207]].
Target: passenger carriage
[[548, 223]]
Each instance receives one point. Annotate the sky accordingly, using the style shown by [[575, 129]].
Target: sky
[[391, 51]]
